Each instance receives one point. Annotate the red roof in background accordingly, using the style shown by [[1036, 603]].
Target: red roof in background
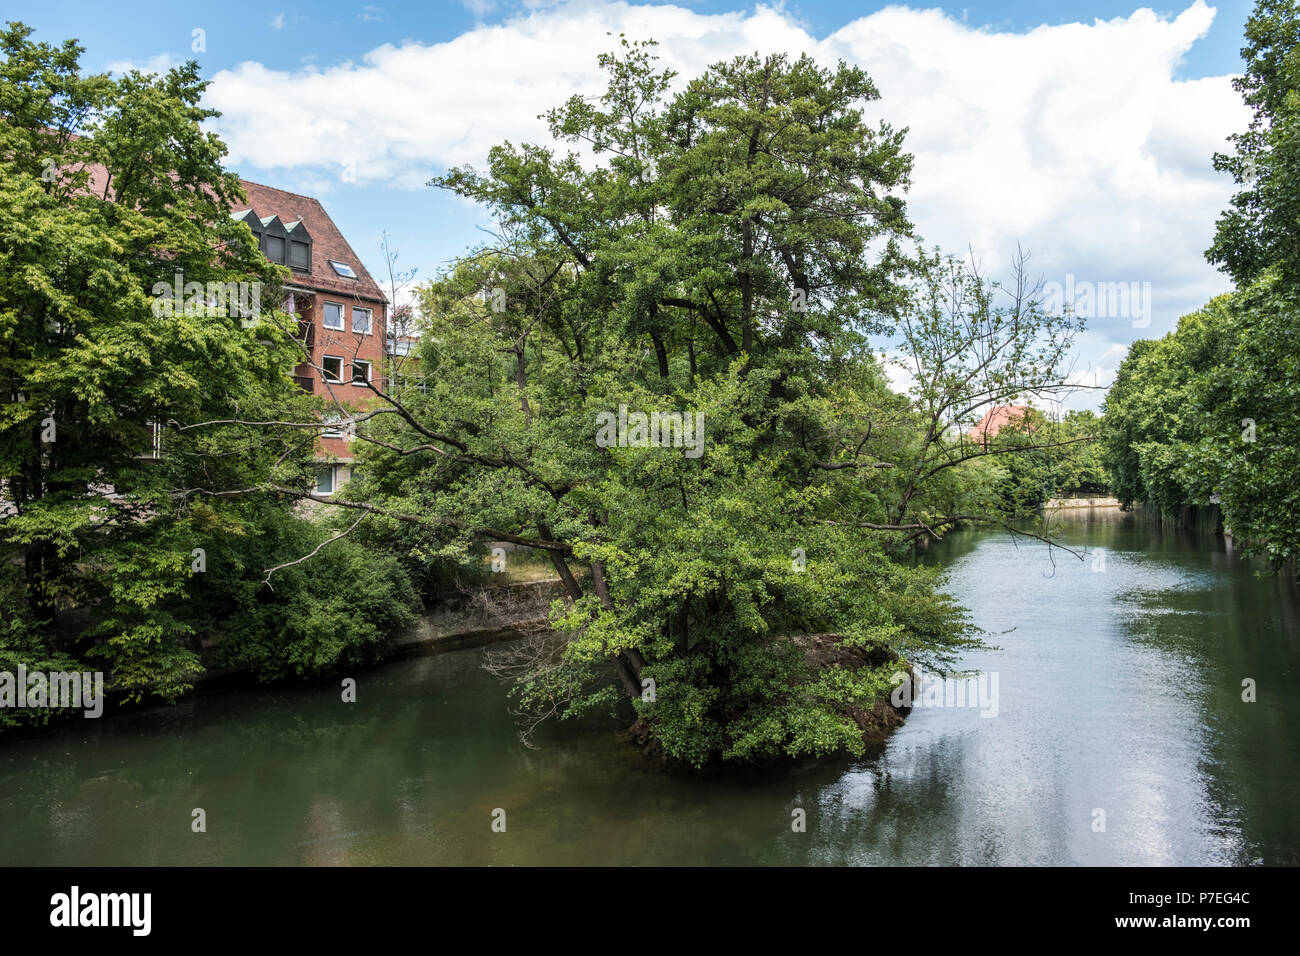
[[995, 419], [326, 241]]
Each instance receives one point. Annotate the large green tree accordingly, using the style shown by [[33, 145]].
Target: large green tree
[[111, 192], [1207, 415], [725, 251]]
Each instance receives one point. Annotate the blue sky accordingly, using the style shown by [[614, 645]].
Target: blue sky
[[335, 31], [1081, 130]]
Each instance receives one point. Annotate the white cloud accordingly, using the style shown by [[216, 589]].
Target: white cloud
[[1074, 140], [155, 64], [408, 110], [277, 21]]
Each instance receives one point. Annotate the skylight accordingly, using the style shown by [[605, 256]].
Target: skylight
[[343, 269]]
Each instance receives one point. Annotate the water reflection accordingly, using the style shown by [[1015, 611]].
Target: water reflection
[[1120, 692]]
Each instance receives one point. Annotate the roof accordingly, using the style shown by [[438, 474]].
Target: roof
[[327, 241], [995, 419], [267, 202]]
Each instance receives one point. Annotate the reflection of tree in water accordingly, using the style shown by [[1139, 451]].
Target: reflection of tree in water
[[411, 773]]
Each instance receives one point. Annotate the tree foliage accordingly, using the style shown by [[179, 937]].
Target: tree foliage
[[109, 188], [1208, 413], [726, 251], [1262, 227]]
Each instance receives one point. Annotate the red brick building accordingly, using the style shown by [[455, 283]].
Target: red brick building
[[342, 313]]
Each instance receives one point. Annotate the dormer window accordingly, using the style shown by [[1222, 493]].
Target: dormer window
[[249, 218], [285, 244], [275, 240], [343, 269], [299, 247]]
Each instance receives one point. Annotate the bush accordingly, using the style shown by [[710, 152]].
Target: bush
[[340, 608]]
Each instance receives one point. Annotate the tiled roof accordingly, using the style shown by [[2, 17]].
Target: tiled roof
[[327, 242], [995, 419]]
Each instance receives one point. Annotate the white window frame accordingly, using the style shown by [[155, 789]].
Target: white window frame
[[325, 376], [370, 369], [370, 321], [155, 442], [343, 316]]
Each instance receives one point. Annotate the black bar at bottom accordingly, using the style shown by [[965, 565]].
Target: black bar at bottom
[[913, 906]]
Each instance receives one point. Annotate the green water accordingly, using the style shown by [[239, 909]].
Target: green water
[[1119, 683]]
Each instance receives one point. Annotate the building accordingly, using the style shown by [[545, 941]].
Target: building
[[342, 313], [995, 419]]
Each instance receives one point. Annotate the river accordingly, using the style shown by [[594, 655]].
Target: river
[[1119, 692]]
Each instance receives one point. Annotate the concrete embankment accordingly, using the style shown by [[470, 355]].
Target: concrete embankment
[[455, 620], [474, 618], [1193, 519], [1098, 504]]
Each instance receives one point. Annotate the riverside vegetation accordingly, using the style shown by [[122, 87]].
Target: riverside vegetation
[[735, 248], [1208, 414]]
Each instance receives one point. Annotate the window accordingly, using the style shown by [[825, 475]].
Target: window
[[275, 249], [332, 368], [343, 269], [361, 320], [325, 480], [332, 316], [155, 441], [360, 371], [331, 429], [408, 382], [299, 240]]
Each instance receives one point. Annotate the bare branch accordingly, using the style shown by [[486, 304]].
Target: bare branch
[[314, 551]]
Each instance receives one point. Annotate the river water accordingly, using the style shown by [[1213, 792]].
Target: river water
[[1121, 737]]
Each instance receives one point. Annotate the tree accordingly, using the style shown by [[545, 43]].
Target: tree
[[1246, 449], [1080, 468], [969, 344], [123, 323], [1154, 411], [722, 257], [1207, 414], [1263, 226]]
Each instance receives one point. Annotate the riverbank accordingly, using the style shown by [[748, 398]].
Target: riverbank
[[1084, 507], [458, 620], [1120, 690]]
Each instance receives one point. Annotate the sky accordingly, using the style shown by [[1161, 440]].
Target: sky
[[1081, 132]]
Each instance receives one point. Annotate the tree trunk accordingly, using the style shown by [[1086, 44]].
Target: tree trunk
[[561, 566], [628, 679]]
